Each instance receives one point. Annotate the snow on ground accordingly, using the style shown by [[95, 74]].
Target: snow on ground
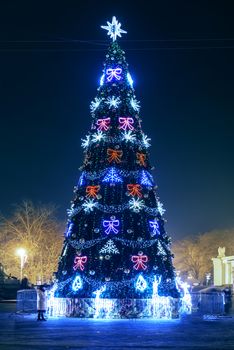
[[19, 332]]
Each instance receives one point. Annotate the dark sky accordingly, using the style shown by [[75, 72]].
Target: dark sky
[[181, 55]]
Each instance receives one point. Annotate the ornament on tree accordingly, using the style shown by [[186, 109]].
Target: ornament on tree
[[103, 124], [81, 180], [141, 158], [112, 176], [144, 179], [146, 141], [141, 284], [79, 262], [110, 226], [155, 226], [77, 283], [109, 248], [114, 155], [126, 123], [136, 205], [134, 190], [92, 191], [114, 29], [95, 104], [135, 104], [113, 73], [128, 136], [89, 205], [139, 261], [113, 101]]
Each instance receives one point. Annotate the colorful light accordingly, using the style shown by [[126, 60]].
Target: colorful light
[[89, 205], [139, 261], [109, 248], [134, 190], [141, 158], [114, 29], [97, 137], [69, 229], [126, 123], [144, 179], [114, 155], [79, 262], [113, 73], [95, 104], [91, 191], [155, 226], [146, 141], [160, 208], [102, 79], [113, 101], [112, 176], [128, 136], [135, 104], [111, 226], [85, 142], [136, 204], [103, 124], [129, 78], [81, 180], [77, 283], [141, 284]]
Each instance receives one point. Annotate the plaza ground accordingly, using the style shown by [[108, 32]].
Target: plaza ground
[[24, 332]]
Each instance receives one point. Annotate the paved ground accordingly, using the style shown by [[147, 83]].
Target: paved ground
[[24, 332]]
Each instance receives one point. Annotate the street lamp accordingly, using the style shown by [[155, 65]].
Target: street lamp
[[21, 252]]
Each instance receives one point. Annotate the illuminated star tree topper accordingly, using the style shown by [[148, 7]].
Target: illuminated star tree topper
[[114, 29]]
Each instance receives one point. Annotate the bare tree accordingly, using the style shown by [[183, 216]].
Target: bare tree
[[193, 255], [36, 229]]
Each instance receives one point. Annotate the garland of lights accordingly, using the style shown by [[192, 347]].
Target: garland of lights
[[144, 143], [90, 175], [84, 245], [113, 209]]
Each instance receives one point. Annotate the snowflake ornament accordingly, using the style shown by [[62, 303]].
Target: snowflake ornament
[[98, 136], [109, 248], [95, 104], [136, 205], [85, 142], [128, 136], [114, 29], [135, 104], [146, 141], [89, 205], [113, 101], [160, 208]]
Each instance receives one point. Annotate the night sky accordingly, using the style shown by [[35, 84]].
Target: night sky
[[181, 57]]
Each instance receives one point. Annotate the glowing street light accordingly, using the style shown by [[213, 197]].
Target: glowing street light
[[21, 252]]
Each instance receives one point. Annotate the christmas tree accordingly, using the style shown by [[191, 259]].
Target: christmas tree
[[115, 244]]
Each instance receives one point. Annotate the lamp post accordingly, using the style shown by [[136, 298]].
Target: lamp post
[[21, 252]]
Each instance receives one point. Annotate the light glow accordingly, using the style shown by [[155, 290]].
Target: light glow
[[113, 73], [128, 136], [112, 176], [113, 101], [111, 226], [141, 284], [77, 283], [95, 104], [135, 104], [136, 204], [89, 205], [129, 78], [109, 248], [114, 29]]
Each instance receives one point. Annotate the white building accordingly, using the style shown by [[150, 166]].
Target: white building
[[223, 267]]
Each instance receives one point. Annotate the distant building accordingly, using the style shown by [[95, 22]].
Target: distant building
[[223, 267]]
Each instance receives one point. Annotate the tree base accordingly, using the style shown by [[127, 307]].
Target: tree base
[[98, 308]]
